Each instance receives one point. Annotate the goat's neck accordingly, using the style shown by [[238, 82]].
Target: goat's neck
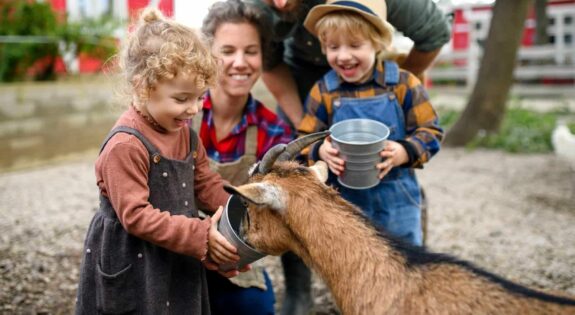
[[347, 259]]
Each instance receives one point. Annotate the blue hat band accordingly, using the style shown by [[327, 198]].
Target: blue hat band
[[356, 5]]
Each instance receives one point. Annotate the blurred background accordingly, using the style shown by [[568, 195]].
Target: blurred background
[[501, 192], [57, 79]]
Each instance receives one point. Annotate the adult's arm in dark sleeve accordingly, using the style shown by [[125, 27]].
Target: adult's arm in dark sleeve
[[425, 24]]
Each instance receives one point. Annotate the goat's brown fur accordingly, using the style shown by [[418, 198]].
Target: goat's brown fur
[[367, 271]]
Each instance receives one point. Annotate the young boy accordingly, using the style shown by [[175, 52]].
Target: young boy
[[355, 36]]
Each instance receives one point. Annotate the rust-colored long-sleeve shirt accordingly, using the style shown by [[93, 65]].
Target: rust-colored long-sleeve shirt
[[122, 176]]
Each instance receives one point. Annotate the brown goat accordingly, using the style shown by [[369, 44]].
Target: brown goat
[[291, 209]]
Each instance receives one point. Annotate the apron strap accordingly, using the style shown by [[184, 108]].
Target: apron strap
[[194, 138], [251, 140]]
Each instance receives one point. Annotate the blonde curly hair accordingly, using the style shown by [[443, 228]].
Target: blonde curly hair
[[159, 49]]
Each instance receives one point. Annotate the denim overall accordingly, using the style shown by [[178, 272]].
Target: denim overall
[[121, 273], [394, 203]]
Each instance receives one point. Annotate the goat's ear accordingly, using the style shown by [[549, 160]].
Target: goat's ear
[[320, 170], [261, 194]]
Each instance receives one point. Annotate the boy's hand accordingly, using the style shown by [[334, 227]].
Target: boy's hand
[[329, 154], [393, 154], [220, 251]]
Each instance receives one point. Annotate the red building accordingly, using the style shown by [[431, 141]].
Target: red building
[[122, 9], [472, 23]]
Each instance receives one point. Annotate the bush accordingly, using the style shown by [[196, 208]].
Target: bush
[[522, 131], [33, 51], [18, 18]]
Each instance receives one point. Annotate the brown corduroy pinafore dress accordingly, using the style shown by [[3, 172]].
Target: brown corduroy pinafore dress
[[121, 273]]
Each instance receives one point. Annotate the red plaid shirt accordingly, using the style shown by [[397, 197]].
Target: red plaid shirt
[[271, 131]]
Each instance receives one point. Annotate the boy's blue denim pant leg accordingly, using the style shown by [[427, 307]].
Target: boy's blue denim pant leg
[[393, 205], [231, 299]]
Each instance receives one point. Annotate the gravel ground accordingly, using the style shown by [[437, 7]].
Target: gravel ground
[[511, 214]]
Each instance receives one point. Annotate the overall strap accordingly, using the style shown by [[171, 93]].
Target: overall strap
[[331, 80], [251, 140], [391, 73], [151, 148]]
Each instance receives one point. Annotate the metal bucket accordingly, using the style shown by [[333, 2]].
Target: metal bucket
[[229, 226], [359, 142]]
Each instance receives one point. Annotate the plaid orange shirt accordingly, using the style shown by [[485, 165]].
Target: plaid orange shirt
[[423, 133]]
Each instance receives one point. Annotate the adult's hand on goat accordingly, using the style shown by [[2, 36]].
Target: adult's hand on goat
[[392, 155], [329, 154], [211, 265], [219, 249], [234, 272]]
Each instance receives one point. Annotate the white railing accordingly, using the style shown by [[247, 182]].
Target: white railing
[[553, 61], [538, 62]]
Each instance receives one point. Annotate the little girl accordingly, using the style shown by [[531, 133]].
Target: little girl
[[146, 248]]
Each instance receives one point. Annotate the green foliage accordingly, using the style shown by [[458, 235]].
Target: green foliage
[[26, 18], [447, 117], [92, 36], [33, 54], [522, 131]]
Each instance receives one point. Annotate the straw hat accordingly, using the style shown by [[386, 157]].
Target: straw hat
[[374, 11]]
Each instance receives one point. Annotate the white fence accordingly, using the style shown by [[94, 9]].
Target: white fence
[[533, 63], [553, 62]]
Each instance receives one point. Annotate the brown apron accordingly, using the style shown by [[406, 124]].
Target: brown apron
[[236, 173]]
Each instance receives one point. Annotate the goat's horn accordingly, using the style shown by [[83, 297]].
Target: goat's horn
[[270, 157], [295, 146]]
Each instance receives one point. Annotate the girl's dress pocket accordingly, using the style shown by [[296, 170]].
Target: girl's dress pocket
[[115, 291]]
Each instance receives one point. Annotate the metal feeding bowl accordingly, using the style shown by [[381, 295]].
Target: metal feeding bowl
[[230, 226], [359, 142]]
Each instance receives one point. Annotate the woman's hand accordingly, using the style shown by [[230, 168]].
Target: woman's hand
[[393, 154], [329, 154], [234, 272]]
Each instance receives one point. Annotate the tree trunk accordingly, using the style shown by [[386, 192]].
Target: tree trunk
[[541, 22], [486, 106]]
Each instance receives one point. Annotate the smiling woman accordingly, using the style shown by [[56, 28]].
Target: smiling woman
[[238, 47], [237, 130], [238, 37]]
